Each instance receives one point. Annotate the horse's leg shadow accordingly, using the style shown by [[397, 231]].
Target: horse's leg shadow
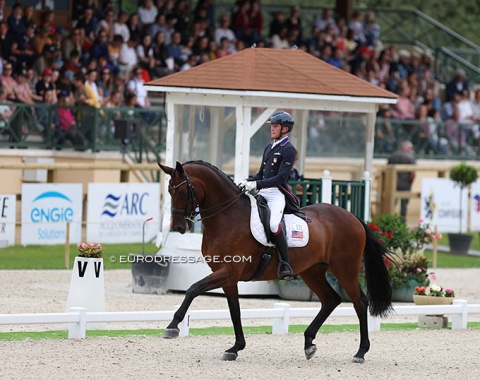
[[314, 278]]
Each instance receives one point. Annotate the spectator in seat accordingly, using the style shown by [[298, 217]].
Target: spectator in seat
[[457, 85]]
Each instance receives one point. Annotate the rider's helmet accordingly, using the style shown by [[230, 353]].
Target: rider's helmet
[[283, 118]]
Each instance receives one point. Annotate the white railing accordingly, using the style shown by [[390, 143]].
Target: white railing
[[77, 317]]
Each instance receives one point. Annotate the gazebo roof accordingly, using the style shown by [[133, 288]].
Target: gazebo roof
[[272, 70]]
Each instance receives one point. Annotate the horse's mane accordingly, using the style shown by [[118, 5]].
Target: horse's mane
[[213, 167]]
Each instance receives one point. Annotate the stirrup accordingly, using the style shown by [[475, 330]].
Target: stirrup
[[285, 271]]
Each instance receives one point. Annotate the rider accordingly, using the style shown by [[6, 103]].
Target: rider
[[272, 181]]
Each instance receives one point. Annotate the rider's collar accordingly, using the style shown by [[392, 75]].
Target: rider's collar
[[281, 142]]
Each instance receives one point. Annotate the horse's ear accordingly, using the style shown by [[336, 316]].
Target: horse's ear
[[166, 169], [179, 168]]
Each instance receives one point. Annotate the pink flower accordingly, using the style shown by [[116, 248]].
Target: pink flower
[[91, 245], [420, 220], [448, 291], [428, 231], [438, 236], [425, 239], [433, 276]]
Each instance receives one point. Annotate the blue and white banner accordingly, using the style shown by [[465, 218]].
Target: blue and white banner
[[46, 210], [8, 203], [117, 213], [444, 205]]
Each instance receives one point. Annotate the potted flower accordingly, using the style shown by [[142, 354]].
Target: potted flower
[[408, 266], [90, 250], [436, 296], [463, 175], [87, 285]]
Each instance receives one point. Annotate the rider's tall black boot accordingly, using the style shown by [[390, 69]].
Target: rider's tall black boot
[[285, 271]]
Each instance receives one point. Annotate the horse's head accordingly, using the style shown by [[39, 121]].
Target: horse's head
[[184, 198]]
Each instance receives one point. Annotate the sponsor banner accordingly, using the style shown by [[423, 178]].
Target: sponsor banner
[[440, 205], [46, 210], [475, 206], [116, 213], [8, 203]]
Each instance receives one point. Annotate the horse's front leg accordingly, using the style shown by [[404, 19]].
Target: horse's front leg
[[214, 280], [231, 292]]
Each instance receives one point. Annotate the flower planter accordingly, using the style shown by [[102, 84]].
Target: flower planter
[[459, 243], [405, 293], [430, 300]]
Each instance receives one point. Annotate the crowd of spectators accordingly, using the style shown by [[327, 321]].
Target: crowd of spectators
[[107, 55]]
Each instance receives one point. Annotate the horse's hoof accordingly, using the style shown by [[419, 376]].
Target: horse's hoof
[[310, 351], [358, 360], [171, 333], [229, 356]]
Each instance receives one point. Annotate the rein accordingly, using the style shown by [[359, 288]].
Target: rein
[[193, 199]]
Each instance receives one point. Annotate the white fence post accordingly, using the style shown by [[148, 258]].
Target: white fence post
[[183, 326], [280, 325], [374, 323], [459, 321], [326, 187], [368, 193], [78, 330]]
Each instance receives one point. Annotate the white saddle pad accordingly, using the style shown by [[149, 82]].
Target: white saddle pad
[[297, 228]]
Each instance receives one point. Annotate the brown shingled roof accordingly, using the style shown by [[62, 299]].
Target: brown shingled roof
[[273, 70]]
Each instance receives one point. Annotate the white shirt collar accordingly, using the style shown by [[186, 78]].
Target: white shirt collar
[[275, 143]]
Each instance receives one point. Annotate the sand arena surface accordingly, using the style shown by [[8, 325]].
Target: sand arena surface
[[432, 354]]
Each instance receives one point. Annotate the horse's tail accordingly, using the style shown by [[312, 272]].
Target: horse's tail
[[379, 285]]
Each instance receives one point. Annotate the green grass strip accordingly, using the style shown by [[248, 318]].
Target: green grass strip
[[209, 331]]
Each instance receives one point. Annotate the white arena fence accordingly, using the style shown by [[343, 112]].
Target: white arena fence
[[77, 317]]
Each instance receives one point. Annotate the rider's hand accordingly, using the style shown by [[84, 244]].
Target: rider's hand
[[248, 185]]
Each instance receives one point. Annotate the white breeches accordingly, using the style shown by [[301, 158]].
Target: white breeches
[[276, 204]]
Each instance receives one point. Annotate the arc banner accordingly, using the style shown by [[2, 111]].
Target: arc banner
[[442, 206], [116, 213], [46, 210]]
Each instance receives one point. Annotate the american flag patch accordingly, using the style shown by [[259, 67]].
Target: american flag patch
[[297, 234]]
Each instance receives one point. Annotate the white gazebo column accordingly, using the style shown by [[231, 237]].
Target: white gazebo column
[[171, 149], [369, 145], [216, 136], [242, 142]]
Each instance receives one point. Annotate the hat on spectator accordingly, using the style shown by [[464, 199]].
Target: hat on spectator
[[47, 71], [404, 53], [31, 25], [69, 74], [63, 94]]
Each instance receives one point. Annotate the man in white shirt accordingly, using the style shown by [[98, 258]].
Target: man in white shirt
[[136, 86], [224, 31], [127, 58]]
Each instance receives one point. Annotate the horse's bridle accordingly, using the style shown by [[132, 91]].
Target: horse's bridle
[[193, 200]]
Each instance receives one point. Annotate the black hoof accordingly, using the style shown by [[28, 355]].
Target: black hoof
[[229, 356], [171, 333], [310, 351], [358, 360]]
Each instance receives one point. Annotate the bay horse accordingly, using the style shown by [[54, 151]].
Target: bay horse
[[338, 241]]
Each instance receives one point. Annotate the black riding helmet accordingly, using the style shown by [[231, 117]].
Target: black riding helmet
[[282, 118]]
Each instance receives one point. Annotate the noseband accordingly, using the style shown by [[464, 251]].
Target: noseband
[[192, 198]]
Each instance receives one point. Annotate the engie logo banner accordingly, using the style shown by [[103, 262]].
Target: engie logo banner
[[46, 210], [116, 212], [440, 205], [8, 204]]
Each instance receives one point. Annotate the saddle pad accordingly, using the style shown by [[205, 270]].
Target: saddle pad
[[297, 228]]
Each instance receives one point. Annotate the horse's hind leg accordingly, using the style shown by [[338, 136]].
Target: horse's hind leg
[[315, 279], [234, 306], [360, 304]]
